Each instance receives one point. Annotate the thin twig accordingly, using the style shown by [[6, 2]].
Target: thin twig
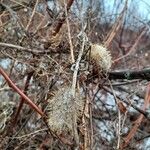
[[116, 26], [133, 48], [74, 82], [29, 50], [77, 68], [132, 132], [32, 15], [69, 33], [119, 117], [30, 134], [128, 103], [22, 99]]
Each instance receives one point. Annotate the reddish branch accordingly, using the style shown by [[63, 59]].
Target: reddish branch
[[116, 26], [134, 129], [133, 47], [22, 99], [59, 22], [62, 18], [11, 84]]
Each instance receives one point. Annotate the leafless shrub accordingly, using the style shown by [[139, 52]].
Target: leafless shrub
[[70, 94]]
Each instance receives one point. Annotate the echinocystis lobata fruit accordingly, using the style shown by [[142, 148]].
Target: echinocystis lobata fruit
[[61, 109], [101, 57]]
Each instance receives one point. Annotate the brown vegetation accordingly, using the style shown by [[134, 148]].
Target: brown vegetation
[[73, 77]]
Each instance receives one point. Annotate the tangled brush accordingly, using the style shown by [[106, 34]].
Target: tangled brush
[[101, 57], [6, 110], [61, 109]]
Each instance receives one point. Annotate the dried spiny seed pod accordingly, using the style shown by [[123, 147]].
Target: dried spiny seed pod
[[61, 109], [101, 57]]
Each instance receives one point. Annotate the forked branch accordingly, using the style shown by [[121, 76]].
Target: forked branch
[[11, 84]]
